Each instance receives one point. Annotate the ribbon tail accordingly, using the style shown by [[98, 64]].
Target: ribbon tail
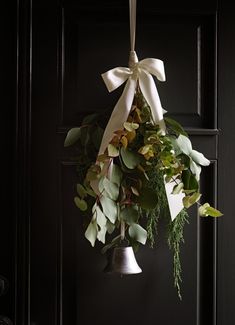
[[150, 93], [119, 114]]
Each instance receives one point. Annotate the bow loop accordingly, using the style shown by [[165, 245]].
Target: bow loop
[[154, 67], [114, 78]]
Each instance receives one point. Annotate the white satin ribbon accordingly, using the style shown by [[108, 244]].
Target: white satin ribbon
[[141, 71]]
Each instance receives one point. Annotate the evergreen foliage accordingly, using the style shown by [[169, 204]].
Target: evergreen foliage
[[123, 189]]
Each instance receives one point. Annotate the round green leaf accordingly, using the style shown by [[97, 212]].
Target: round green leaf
[[175, 126], [199, 158], [111, 188], [184, 144], [130, 126], [116, 175], [188, 201], [113, 243], [189, 180], [109, 208], [80, 203], [81, 191], [100, 217], [72, 137], [148, 198], [112, 151], [91, 233], [129, 215], [101, 234], [202, 209], [138, 233], [90, 119], [96, 136], [110, 227], [130, 159], [195, 169]]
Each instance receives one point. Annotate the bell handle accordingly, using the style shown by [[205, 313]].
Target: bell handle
[[123, 226]]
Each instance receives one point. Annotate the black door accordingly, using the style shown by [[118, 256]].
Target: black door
[[61, 49]]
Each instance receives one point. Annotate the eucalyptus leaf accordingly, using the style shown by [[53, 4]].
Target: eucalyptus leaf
[[116, 175], [101, 234], [188, 191], [189, 180], [102, 158], [202, 209], [111, 188], [135, 191], [90, 119], [178, 188], [185, 160], [81, 191], [110, 227], [130, 159], [129, 214], [112, 151], [72, 136], [184, 144], [148, 198], [90, 192], [195, 169], [101, 184], [199, 158], [114, 242], [91, 175], [175, 126], [80, 203], [97, 135], [188, 201], [85, 136], [91, 233], [109, 208], [130, 126], [138, 233], [175, 145], [145, 149], [100, 217], [210, 211]]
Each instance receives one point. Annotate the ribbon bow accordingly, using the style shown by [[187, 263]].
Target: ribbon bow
[[141, 71]]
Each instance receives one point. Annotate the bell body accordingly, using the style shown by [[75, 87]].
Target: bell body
[[122, 260]]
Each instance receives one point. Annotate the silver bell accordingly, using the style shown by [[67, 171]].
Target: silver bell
[[122, 260]]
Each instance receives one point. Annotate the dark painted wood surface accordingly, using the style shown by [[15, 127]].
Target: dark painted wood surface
[[226, 176], [8, 46], [63, 47]]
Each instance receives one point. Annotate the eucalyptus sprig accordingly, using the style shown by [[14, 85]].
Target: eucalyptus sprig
[[122, 191]]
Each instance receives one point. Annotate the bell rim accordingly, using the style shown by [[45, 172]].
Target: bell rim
[[113, 266]]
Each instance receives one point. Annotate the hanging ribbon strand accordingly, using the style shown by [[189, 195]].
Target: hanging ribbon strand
[[141, 71], [132, 6]]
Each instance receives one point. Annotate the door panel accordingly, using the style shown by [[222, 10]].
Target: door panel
[[186, 42], [85, 48], [72, 43]]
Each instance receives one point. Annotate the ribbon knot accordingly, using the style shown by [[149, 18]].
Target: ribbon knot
[[133, 60]]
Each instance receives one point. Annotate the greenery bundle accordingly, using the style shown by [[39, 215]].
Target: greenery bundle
[[122, 191]]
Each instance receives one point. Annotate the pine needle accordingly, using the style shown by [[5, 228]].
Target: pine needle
[[157, 183], [175, 238]]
